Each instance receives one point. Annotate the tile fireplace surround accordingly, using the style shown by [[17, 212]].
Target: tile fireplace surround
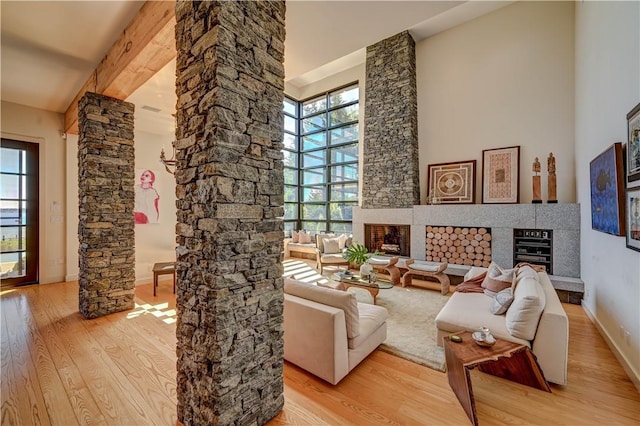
[[563, 219]]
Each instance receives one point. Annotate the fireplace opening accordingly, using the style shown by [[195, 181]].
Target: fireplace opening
[[388, 239]]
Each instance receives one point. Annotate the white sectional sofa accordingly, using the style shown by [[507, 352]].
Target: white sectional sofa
[[545, 333], [327, 332]]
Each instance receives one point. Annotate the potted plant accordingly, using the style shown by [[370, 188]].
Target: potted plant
[[359, 255]]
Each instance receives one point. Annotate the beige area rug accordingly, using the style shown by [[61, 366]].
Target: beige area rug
[[411, 327]]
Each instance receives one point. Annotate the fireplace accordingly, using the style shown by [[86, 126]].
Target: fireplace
[[388, 239]]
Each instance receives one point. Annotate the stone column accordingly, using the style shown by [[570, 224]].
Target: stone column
[[391, 175], [105, 192], [230, 183]]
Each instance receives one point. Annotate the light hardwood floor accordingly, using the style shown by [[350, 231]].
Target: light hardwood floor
[[58, 368]]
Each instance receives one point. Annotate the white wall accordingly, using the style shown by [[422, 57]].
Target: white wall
[[59, 194], [503, 79], [607, 87], [44, 128], [154, 242]]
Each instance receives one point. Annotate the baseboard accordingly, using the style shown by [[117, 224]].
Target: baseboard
[[73, 277], [628, 368]]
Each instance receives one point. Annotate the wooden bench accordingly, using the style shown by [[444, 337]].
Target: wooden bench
[[428, 271]]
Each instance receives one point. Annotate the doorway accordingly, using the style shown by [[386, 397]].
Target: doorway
[[18, 212]]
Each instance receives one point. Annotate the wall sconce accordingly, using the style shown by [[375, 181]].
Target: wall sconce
[[170, 164]]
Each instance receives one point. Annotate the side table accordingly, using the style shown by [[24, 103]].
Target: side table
[[508, 360], [164, 268]]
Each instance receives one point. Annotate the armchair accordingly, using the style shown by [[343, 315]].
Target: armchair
[[329, 249]]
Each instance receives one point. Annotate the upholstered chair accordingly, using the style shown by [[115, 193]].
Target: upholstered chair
[[329, 249]]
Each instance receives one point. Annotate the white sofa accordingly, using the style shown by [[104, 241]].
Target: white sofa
[[549, 335], [327, 332]]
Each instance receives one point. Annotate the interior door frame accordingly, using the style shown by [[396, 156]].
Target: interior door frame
[[33, 213]]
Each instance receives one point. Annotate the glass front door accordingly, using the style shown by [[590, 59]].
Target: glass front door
[[18, 213]]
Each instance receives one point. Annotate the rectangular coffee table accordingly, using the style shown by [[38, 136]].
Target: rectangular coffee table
[[508, 360], [356, 281]]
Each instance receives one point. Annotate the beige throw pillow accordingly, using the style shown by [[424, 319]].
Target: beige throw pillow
[[501, 302], [342, 239], [295, 237], [304, 237], [524, 313], [497, 279], [331, 245]]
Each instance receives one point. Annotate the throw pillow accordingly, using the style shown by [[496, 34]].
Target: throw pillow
[[524, 313], [304, 237], [331, 245], [497, 279], [295, 237], [342, 239], [501, 302]]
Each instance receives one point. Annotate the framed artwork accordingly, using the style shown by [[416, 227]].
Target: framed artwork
[[633, 144], [633, 218], [452, 183], [501, 175], [607, 208]]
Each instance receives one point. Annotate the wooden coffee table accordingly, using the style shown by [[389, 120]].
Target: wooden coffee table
[[512, 361]]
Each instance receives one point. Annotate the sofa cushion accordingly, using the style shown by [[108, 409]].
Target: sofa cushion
[[327, 296], [320, 240], [497, 279], [371, 317], [528, 303], [470, 311], [331, 245], [501, 302]]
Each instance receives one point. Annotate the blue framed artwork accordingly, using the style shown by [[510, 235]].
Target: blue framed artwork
[[607, 204]]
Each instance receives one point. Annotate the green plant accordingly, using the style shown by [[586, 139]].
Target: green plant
[[357, 254]]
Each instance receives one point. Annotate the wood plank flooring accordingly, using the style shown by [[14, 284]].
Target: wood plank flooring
[[60, 369]]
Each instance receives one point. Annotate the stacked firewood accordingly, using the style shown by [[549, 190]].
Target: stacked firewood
[[458, 245]]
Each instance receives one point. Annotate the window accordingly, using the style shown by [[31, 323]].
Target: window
[[321, 161]]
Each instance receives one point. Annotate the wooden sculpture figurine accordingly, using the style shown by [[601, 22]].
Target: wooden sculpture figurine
[[553, 191], [537, 192]]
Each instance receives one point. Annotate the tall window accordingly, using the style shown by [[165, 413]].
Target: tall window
[[321, 161]]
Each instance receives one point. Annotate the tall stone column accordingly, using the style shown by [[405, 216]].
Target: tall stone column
[[230, 183], [105, 192], [391, 175]]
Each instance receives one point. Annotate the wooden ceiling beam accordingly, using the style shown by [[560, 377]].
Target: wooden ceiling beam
[[144, 47]]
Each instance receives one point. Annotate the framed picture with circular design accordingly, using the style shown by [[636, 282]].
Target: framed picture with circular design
[[452, 183]]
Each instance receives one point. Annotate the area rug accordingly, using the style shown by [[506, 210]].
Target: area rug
[[411, 327]]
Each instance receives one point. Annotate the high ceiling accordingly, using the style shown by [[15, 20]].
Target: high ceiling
[[49, 49]]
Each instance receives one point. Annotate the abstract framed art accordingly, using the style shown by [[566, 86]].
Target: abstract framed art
[[452, 183], [501, 175], [633, 218], [607, 207], [633, 145]]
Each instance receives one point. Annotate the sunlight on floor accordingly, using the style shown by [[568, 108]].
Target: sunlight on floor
[[159, 311]]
